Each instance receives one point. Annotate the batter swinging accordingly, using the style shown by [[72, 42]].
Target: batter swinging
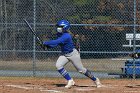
[[68, 53]]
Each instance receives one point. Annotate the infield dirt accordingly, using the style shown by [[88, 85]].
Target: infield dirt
[[56, 85]]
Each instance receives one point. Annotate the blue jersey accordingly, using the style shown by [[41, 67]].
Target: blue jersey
[[64, 40]]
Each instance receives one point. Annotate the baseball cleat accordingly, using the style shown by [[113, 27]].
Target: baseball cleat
[[70, 84], [98, 83]]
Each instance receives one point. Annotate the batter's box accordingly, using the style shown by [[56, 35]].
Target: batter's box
[[32, 87], [133, 86]]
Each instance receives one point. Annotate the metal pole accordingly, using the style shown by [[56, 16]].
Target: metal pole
[[34, 43], [5, 21], [1, 21], [134, 40]]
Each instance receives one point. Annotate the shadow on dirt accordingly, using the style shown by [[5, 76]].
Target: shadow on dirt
[[60, 85], [63, 85]]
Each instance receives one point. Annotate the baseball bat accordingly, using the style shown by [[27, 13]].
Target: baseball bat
[[40, 41]]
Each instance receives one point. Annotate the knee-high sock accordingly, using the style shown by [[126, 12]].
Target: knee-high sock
[[64, 73], [88, 74]]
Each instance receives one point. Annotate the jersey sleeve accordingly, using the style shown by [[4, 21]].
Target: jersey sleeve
[[56, 42]]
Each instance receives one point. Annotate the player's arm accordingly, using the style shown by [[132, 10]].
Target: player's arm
[[43, 46], [54, 43]]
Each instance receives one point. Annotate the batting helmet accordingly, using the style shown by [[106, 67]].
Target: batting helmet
[[64, 24]]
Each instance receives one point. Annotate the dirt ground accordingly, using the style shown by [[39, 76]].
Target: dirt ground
[[56, 85]]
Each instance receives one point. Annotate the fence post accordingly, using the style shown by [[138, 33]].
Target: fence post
[[134, 40], [34, 42]]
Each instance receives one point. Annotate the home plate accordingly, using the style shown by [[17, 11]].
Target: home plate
[[108, 86], [51, 91]]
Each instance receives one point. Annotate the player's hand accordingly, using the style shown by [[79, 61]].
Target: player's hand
[[42, 46]]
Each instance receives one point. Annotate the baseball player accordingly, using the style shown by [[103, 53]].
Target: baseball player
[[69, 53]]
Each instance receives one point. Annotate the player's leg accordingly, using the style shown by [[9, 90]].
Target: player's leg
[[76, 61], [62, 60], [91, 76]]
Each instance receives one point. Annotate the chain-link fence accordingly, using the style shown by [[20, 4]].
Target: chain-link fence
[[105, 29]]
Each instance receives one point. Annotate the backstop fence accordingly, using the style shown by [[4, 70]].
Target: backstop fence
[[106, 31]]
